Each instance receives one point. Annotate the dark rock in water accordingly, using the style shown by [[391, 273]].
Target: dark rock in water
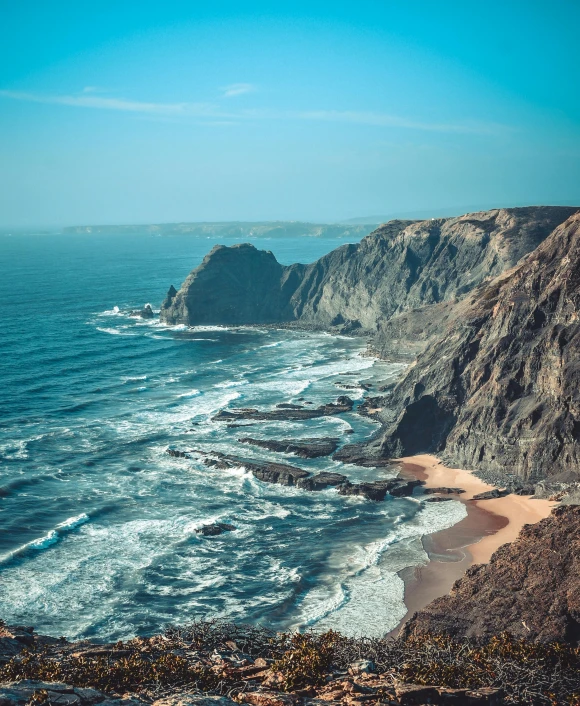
[[361, 455], [214, 530], [491, 494], [377, 490], [288, 405], [443, 491], [372, 491], [266, 471], [176, 453], [322, 481], [342, 404], [437, 499], [145, 313], [169, 297], [305, 448], [233, 285], [530, 588], [349, 386], [402, 488]]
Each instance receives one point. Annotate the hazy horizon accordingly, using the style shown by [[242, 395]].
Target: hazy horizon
[[141, 113]]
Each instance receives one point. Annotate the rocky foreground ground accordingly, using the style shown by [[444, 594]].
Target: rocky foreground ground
[[223, 664]]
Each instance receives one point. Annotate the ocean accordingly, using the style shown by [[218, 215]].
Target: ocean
[[98, 523]]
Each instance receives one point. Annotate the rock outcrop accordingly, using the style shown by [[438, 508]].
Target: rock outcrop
[[305, 448], [286, 412], [530, 588], [358, 287], [501, 387], [266, 471]]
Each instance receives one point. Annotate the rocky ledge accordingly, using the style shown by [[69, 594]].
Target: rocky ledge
[[284, 474], [305, 448], [286, 412]]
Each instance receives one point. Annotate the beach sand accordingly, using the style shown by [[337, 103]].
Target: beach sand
[[488, 525]]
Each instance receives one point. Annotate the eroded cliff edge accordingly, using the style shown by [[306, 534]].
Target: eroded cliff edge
[[500, 388]]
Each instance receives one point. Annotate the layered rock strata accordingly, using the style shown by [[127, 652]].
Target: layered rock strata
[[358, 287], [501, 387]]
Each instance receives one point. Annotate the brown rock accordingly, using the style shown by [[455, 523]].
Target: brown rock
[[268, 698], [530, 588], [415, 694]]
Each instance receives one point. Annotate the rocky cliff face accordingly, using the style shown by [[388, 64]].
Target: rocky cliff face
[[531, 588], [401, 266], [235, 285], [500, 388]]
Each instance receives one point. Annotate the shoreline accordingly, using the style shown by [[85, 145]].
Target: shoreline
[[488, 525]]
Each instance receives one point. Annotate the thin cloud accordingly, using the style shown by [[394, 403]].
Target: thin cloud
[[103, 103], [214, 113], [237, 89]]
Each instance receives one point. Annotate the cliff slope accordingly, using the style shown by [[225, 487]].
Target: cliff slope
[[402, 265], [500, 390], [530, 588]]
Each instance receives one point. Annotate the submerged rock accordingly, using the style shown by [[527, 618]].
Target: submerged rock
[[216, 529]]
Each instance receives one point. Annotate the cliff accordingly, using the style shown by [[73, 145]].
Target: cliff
[[403, 265], [500, 388], [530, 588]]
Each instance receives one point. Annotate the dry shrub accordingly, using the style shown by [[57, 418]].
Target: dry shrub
[[307, 660]]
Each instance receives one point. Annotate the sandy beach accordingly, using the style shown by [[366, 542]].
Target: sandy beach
[[488, 525]]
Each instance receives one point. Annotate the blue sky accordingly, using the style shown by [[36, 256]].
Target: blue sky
[[134, 112]]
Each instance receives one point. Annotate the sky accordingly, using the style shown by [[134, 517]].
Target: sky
[[168, 110]]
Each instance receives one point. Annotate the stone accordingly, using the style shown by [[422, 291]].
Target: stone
[[145, 313], [188, 699], [490, 494], [362, 666], [486, 696], [268, 698], [443, 491], [266, 471], [415, 695]]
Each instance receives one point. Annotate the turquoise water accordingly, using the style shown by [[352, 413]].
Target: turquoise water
[[97, 522]]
